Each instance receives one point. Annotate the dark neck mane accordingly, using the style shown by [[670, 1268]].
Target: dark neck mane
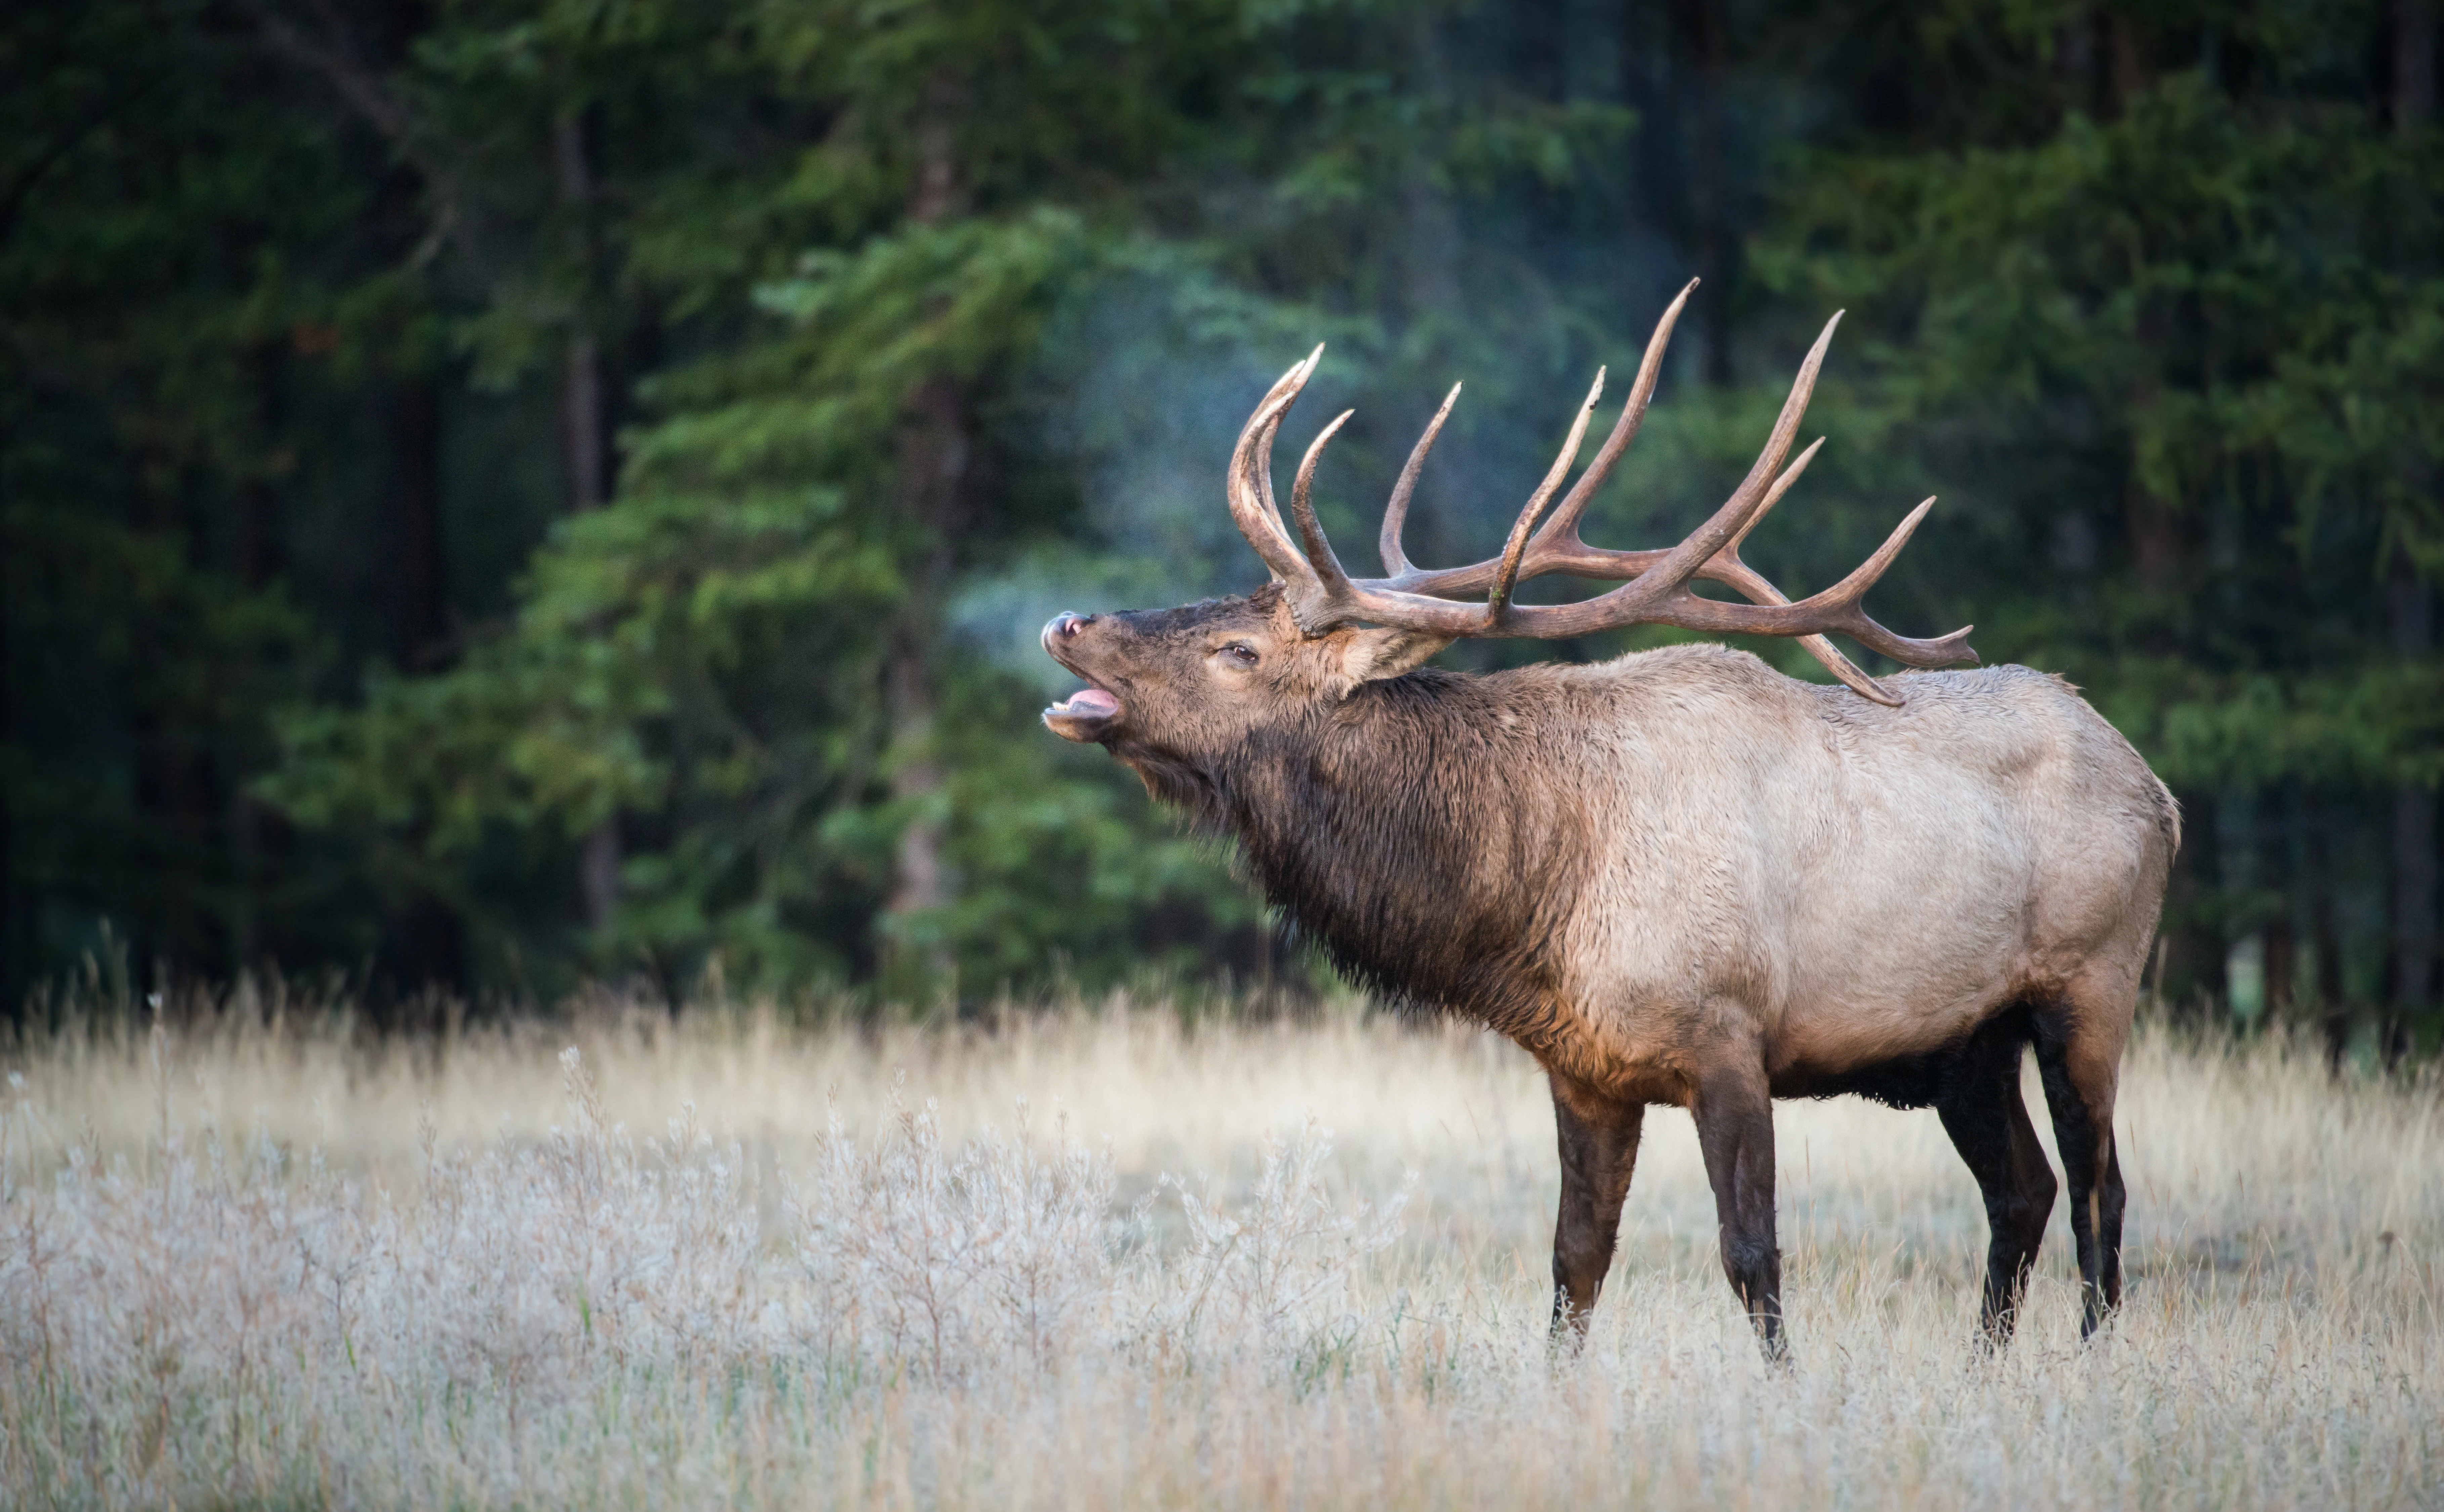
[[1404, 830]]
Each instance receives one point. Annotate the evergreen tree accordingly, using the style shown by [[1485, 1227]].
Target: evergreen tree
[[503, 491]]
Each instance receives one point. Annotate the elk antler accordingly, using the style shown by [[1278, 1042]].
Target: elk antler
[[1655, 584]]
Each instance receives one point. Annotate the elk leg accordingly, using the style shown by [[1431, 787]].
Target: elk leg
[[1734, 1115], [1989, 1123], [1598, 1140], [2080, 1070]]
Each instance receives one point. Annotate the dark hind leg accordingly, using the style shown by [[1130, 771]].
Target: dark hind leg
[[1598, 1140], [1983, 1112], [1734, 1117], [2079, 1056]]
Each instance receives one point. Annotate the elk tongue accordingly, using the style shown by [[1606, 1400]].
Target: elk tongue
[[1092, 702]]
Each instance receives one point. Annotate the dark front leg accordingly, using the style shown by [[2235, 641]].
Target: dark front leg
[[1734, 1115], [1598, 1140]]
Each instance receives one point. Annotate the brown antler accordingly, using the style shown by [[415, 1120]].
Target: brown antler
[[1655, 584]]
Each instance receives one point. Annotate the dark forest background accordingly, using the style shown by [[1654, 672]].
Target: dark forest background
[[499, 493]]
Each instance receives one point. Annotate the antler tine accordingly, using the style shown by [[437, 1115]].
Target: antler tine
[[1250, 478], [1661, 595], [1395, 514], [1729, 569], [1318, 550], [1298, 381], [1498, 601], [1563, 525], [1836, 608], [1681, 563], [1843, 597], [1557, 546], [1321, 594], [1772, 496]]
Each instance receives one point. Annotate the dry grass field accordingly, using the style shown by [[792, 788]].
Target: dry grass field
[[1109, 1258]]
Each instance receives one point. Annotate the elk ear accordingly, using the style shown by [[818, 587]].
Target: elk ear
[[1374, 655]]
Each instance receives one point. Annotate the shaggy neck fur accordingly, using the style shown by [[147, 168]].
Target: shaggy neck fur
[[1401, 828]]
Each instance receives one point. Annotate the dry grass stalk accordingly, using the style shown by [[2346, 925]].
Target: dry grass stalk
[[249, 1264]]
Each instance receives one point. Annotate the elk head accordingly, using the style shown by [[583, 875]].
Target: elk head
[[1166, 686]]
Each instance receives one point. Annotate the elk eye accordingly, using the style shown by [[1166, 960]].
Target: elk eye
[[1240, 654]]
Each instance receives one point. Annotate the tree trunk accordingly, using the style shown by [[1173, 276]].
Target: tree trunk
[[585, 453], [2414, 901], [1429, 257], [584, 424], [16, 936], [2333, 1013], [258, 555], [933, 462], [2410, 606], [2127, 61], [2237, 865], [1700, 26], [2075, 62], [415, 440], [917, 884], [2414, 64], [2155, 531], [431, 938]]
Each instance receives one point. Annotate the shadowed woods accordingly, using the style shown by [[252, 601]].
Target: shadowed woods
[[496, 498]]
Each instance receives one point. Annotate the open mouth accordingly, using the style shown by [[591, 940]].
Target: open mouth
[[1083, 714], [1092, 702]]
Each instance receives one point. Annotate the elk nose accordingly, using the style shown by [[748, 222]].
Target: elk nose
[[1066, 626]]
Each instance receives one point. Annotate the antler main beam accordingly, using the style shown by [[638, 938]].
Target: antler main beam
[[1655, 583]]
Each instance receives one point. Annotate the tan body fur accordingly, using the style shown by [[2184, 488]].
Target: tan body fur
[[1836, 881]]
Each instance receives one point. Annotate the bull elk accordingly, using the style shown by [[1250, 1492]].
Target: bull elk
[[1679, 877]]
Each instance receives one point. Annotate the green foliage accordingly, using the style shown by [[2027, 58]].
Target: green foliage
[[707, 650], [2174, 356], [2224, 305], [318, 649]]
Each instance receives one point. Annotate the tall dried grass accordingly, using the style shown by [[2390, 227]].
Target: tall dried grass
[[254, 1263]]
